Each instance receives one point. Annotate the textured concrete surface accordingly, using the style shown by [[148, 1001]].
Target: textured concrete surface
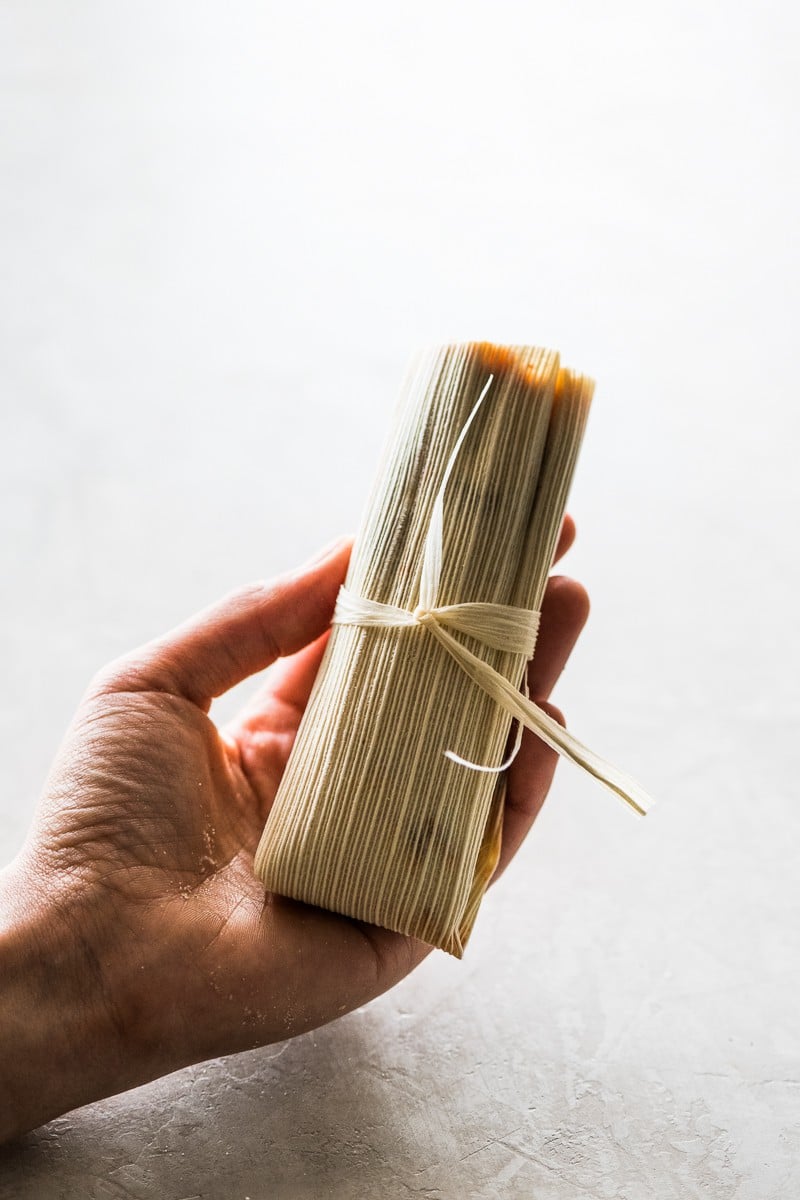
[[222, 232]]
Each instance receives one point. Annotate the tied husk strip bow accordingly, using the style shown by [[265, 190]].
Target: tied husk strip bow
[[500, 626]]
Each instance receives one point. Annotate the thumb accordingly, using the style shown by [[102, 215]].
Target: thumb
[[240, 635]]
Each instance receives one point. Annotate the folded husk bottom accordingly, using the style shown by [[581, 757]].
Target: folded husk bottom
[[371, 820]]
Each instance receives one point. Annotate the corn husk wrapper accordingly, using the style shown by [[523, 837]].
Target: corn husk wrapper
[[373, 817]]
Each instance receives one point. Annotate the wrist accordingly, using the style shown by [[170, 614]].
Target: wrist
[[59, 1047]]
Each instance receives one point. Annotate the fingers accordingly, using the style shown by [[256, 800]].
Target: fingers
[[564, 613], [565, 538], [291, 679], [276, 709], [565, 610], [244, 633], [529, 781]]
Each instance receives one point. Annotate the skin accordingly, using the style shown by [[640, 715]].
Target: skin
[[134, 937]]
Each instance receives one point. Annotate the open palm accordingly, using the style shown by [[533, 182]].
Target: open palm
[[144, 839]]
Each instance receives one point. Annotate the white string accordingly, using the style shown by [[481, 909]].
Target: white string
[[499, 626]]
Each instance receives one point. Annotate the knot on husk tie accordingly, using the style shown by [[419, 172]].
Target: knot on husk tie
[[498, 626]]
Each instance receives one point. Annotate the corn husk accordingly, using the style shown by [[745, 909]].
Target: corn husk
[[372, 819]]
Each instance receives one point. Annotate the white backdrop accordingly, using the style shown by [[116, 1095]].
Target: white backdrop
[[223, 231]]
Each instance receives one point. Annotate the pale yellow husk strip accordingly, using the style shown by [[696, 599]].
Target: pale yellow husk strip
[[372, 820]]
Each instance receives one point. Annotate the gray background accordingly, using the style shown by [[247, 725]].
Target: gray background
[[223, 231]]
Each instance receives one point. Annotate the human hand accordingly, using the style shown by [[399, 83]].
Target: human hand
[[134, 937]]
